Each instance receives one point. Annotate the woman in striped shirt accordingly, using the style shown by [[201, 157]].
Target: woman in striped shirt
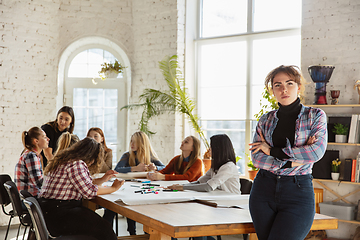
[[286, 144]]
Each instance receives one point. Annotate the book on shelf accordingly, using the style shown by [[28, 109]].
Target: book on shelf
[[353, 130], [353, 168], [347, 169]]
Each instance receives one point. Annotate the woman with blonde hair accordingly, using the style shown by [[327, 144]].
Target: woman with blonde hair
[[66, 140], [187, 166], [28, 171], [97, 134], [140, 158]]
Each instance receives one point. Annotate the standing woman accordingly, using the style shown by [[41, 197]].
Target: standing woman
[[223, 174], [286, 144], [97, 134], [28, 171], [64, 122], [187, 166], [67, 180]]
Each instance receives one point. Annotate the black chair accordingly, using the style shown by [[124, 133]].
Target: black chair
[[17, 206], [245, 185], [5, 200], [245, 188], [39, 224]]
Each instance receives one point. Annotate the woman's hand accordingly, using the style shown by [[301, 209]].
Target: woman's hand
[[311, 140], [109, 174], [117, 184], [155, 176], [151, 167], [262, 145], [176, 187], [141, 167]]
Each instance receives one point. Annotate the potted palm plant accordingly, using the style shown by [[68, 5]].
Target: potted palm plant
[[155, 102]]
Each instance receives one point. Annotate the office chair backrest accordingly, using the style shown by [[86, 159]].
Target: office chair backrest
[[4, 196], [14, 197], [37, 218], [245, 185]]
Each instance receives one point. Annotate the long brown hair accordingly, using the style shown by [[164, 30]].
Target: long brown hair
[[99, 131], [87, 150], [66, 140], [144, 153], [28, 136], [68, 110], [194, 155]]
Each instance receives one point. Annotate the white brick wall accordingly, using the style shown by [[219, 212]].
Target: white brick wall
[[331, 36], [33, 35]]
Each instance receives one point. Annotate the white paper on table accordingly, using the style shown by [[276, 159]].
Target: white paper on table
[[127, 195], [126, 176]]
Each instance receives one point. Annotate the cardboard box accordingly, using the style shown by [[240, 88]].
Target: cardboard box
[[337, 209]]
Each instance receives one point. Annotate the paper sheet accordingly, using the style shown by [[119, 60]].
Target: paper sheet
[[127, 194]]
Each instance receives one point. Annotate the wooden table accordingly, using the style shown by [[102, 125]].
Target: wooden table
[[191, 219]]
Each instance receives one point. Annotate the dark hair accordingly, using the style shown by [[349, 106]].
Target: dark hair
[[28, 136], [99, 131], [88, 150], [222, 151], [68, 110]]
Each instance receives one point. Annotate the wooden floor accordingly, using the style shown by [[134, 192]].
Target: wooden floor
[[122, 230]]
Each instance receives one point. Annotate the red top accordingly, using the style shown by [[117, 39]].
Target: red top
[[192, 174]]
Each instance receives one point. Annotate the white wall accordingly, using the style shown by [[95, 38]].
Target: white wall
[[33, 35], [331, 36]]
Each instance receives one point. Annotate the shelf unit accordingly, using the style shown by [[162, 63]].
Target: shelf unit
[[319, 181]]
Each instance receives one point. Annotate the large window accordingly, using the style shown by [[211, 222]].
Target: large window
[[239, 43]]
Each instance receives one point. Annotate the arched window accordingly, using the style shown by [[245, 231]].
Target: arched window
[[96, 102]]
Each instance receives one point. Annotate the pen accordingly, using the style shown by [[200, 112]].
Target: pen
[[140, 191], [169, 190], [151, 184], [134, 186]]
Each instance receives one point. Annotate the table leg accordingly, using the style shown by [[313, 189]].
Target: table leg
[[155, 235], [253, 236]]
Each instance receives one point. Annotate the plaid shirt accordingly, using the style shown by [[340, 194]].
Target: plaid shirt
[[28, 173], [310, 122], [70, 181]]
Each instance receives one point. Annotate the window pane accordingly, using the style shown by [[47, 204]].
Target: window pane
[[110, 124], [80, 97], [277, 14], [95, 117], [87, 64], [236, 132], [95, 97], [279, 51], [111, 97], [80, 122], [223, 18]]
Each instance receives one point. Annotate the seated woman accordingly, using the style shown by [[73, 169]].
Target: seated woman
[[140, 158], [97, 134], [66, 140], [28, 171], [67, 180], [187, 166], [223, 174]]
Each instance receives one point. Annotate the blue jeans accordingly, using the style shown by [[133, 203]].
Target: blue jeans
[[282, 207]]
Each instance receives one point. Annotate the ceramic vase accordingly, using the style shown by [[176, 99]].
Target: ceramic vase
[[340, 138], [335, 176]]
